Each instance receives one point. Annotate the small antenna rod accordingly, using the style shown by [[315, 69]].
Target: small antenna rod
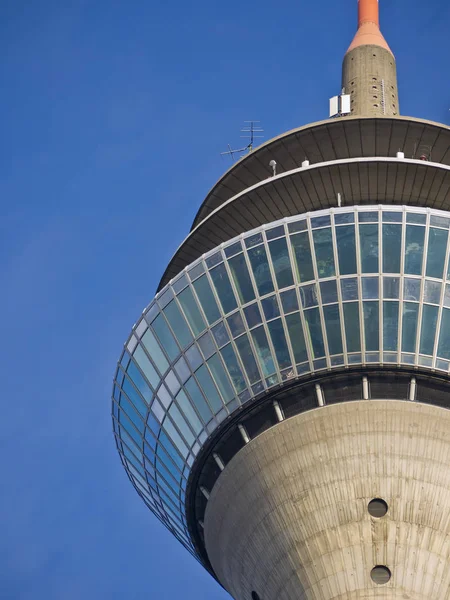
[[251, 132]]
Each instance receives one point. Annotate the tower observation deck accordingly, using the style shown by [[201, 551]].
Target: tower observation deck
[[281, 405]]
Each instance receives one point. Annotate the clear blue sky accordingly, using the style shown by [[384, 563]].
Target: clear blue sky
[[113, 117]]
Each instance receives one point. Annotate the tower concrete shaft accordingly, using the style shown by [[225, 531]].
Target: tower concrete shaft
[[369, 72]]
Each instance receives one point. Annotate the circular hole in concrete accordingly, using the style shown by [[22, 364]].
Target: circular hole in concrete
[[377, 508], [380, 574], [255, 596]]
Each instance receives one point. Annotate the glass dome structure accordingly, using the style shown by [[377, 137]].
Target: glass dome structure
[[317, 292]]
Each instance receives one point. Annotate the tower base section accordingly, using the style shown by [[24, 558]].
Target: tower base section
[[292, 515]]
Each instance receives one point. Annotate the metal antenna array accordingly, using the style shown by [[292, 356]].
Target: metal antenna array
[[251, 130]]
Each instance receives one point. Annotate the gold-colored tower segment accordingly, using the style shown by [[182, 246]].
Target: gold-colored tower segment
[[369, 73]]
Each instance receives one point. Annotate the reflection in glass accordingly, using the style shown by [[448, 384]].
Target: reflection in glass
[[146, 366], [414, 249], [178, 324], [207, 299], [352, 331], [437, 246], [349, 288], [446, 296], [409, 326], [241, 278], [392, 241], [411, 290], [231, 362], [308, 295], [428, 330], [342, 218], [189, 412], [314, 332], [220, 377], [302, 253], [289, 301], [263, 352], [391, 287], [220, 334], [165, 336], [253, 315], [223, 287], [296, 337], [390, 326], [371, 326], [154, 350], [191, 310], [432, 291], [180, 422], [444, 337], [369, 287], [248, 360], [278, 337], [261, 270], [236, 324], [368, 241], [198, 400], [281, 262], [328, 291], [270, 307], [346, 245], [323, 246], [333, 327]]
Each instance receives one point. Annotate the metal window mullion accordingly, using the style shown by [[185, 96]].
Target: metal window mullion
[[422, 288], [319, 295], [171, 420], [308, 346], [129, 418], [154, 455], [441, 302], [380, 288], [362, 333], [338, 288], [401, 288]]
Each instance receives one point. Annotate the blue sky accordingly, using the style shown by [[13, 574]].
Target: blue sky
[[114, 114]]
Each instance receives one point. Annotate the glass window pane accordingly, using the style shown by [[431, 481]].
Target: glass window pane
[[263, 352], [146, 366], [220, 334], [198, 400], [270, 307], [276, 232], [409, 326], [333, 327], [296, 337], [233, 249], [165, 336], [411, 290], [261, 271], [438, 221], [444, 337], [342, 218], [131, 413], [206, 345], [432, 293], [281, 262], [289, 301], [139, 382], [371, 326], [308, 295], [428, 330], [369, 287], [328, 291], [368, 240], [390, 326], [392, 217], [209, 389], [352, 331], [191, 310], [189, 412], [278, 337], [314, 332], [236, 324], [220, 377], [207, 300], [241, 278], [175, 437], [323, 246], [366, 217], [253, 315], [447, 296], [416, 218], [391, 287], [302, 253], [349, 288], [178, 324], [231, 363], [223, 287], [194, 357], [154, 350], [437, 246], [248, 360], [180, 422], [135, 397], [414, 249], [320, 221], [346, 246], [392, 241]]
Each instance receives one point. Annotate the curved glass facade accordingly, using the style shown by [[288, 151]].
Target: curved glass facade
[[340, 287]]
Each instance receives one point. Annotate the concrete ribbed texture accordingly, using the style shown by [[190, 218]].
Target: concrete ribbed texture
[[288, 516]]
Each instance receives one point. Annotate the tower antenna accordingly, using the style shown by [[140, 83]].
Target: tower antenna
[[251, 131]]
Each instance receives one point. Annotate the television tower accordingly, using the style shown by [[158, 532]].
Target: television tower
[[282, 404]]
